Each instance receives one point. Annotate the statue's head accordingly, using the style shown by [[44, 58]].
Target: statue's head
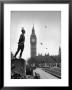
[[23, 31]]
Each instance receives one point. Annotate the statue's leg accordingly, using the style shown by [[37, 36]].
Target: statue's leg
[[22, 48], [21, 53], [17, 51]]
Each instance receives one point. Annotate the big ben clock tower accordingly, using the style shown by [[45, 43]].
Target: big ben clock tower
[[33, 42]]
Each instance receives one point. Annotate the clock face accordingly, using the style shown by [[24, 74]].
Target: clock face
[[33, 40]]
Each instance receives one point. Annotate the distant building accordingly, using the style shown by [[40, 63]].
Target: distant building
[[33, 42], [46, 60], [59, 51], [40, 60]]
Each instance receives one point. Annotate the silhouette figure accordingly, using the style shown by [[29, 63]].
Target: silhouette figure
[[21, 43]]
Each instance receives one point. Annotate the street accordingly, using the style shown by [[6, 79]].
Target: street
[[43, 74]]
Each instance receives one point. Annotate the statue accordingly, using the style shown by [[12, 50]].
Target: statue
[[20, 44]]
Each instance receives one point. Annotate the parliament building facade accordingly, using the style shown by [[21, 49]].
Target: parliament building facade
[[46, 60]]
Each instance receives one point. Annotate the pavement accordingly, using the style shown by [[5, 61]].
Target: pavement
[[43, 74]]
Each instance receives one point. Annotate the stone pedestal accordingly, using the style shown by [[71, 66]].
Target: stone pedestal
[[18, 68]]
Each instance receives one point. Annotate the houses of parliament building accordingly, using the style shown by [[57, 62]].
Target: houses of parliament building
[[33, 43], [46, 59]]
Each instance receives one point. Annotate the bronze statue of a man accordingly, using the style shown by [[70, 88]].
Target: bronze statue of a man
[[20, 44]]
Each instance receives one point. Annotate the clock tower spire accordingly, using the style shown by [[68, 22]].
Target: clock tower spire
[[33, 30], [33, 42]]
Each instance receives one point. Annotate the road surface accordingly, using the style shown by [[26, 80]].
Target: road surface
[[43, 74]]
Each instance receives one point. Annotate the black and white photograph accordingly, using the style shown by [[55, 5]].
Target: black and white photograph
[[35, 44]]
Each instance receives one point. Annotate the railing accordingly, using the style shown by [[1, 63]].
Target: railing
[[54, 71]]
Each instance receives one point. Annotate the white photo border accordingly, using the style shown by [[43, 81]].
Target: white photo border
[[64, 8]]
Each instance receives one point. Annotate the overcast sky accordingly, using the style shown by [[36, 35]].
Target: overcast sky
[[47, 28]]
